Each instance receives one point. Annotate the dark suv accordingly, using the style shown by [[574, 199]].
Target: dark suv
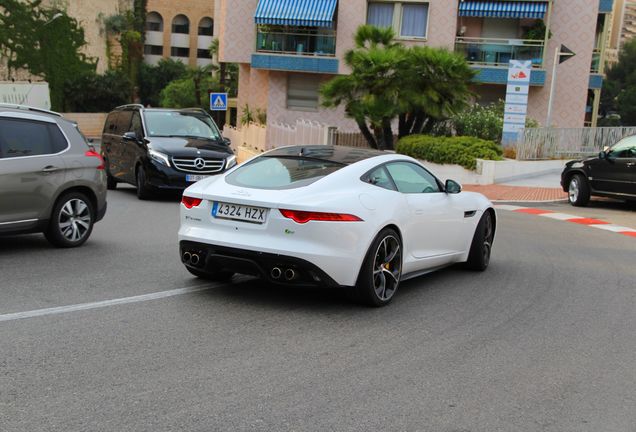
[[162, 149], [51, 179], [611, 174]]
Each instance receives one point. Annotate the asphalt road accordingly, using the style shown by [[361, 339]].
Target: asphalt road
[[544, 340]]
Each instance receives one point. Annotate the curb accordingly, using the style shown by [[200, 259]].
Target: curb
[[590, 222]]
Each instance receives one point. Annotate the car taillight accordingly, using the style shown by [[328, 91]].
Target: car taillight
[[190, 202], [93, 153], [302, 217]]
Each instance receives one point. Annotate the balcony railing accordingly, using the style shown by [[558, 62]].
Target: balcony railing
[[299, 43], [499, 52], [596, 61]]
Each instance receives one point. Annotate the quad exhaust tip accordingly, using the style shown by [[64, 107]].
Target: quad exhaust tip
[[195, 259], [290, 274], [187, 256], [276, 273]]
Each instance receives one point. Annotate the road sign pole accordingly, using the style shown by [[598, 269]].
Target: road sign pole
[[552, 86]]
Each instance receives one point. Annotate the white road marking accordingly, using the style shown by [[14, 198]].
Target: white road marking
[[560, 216], [613, 228], [104, 303], [507, 207]]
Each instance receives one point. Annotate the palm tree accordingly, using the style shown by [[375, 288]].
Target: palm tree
[[418, 85]]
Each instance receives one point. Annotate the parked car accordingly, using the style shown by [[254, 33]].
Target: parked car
[[333, 216], [162, 149], [51, 179], [611, 174]]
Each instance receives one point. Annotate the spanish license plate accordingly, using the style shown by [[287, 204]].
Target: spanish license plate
[[195, 177], [239, 212]]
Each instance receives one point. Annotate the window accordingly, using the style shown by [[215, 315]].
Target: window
[[626, 148], [206, 27], [19, 138], [136, 126], [153, 49], [281, 172], [179, 52], [204, 54], [302, 92], [180, 123], [181, 24], [379, 177], [412, 178], [154, 22], [123, 122], [408, 19]]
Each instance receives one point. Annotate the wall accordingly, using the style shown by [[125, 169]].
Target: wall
[[91, 124], [195, 10], [573, 24]]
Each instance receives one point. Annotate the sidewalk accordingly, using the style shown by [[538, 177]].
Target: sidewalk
[[537, 189]]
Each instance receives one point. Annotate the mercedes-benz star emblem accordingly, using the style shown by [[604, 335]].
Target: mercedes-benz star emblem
[[199, 163]]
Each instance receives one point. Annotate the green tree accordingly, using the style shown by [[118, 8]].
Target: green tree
[[191, 91], [96, 93], [153, 79], [619, 87], [46, 42], [419, 86]]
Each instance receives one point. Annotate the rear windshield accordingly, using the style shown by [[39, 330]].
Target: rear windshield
[[181, 124], [281, 172]]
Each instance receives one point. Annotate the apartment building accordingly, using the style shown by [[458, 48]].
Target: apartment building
[[286, 48], [179, 30]]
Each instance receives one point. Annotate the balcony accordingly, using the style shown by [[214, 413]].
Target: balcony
[[596, 61], [495, 52], [296, 42]]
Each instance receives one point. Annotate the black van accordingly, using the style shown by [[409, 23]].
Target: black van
[[162, 149]]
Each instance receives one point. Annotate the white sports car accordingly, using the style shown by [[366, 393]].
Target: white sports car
[[333, 216]]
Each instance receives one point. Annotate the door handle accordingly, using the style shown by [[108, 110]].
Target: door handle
[[419, 212], [49, 169], [631, 164]]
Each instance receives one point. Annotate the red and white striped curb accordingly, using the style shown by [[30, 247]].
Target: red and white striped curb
[[594, 223]]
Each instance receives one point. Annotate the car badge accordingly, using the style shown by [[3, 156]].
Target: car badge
[[199, 163], [198, 152]]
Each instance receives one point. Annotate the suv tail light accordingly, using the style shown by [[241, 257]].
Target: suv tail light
[[302, 217], [190, 202], [93, 153]]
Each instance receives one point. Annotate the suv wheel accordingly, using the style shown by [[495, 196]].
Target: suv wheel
[[71, 221], [143, 191], [578, 191]]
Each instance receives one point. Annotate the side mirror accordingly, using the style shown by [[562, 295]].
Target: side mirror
[[226, 141], [452, 187], [130, 136], [602, 155]]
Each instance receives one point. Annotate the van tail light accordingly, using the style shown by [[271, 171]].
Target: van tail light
[[93, 153], [190, 202], [302, 217]]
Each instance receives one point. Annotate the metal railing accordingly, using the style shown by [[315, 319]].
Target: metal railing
[[596, 61], [498, 52], [302, 43], [567, 143]]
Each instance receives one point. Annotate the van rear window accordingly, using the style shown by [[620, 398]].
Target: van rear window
[[281, 172]]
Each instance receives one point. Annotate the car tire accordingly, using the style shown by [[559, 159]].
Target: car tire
[[381, 270], [578, 191], [481, 246], [143, 190], [71, 221], [111, 183], [211, 276]]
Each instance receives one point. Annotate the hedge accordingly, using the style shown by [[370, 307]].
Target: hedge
[[459, 150]]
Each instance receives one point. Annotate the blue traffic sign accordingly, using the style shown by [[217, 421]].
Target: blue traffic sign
[[218, 101]]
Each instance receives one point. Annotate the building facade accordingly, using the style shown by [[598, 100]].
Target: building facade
[[286, 48], [182, 31]]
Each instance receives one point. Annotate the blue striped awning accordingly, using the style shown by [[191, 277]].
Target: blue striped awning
[[503, 9], [312, 13]]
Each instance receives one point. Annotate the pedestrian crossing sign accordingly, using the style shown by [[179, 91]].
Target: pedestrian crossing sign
[[218, 101]]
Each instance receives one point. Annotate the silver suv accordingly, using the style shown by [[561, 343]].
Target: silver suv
[[51, 179]]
